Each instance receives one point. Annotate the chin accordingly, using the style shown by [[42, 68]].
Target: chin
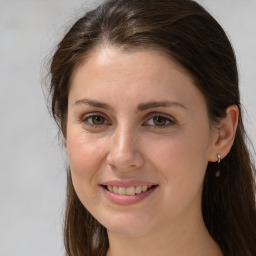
[[127, 225]]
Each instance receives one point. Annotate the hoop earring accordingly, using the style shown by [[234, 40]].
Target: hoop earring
[[217, 174]]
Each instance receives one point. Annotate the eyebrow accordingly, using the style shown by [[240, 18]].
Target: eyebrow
[[141, 107], [159, 104], [93, 103]]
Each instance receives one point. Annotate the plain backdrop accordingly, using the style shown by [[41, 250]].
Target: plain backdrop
[[32, 173]]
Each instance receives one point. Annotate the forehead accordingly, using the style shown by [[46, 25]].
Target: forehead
[[147, 73], [107, 56]]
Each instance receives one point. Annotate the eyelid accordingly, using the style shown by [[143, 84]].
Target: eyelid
[[85, 117], [92, 113]]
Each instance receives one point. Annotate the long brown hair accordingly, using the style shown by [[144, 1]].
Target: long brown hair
[[190, 35]]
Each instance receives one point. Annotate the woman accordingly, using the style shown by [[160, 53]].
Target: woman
[[146, 96]]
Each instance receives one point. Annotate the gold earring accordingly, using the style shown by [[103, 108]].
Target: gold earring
[[217, 174]]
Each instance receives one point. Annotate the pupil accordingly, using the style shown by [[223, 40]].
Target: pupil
[[159, 120]]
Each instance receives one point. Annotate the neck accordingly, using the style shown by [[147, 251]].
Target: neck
[[183, 238]]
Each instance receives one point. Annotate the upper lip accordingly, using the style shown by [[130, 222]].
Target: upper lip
[[127, 184]]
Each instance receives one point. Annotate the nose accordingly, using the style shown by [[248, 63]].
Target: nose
[[124, 153]]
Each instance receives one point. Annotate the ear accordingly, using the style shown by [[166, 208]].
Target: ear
[[224, 134]]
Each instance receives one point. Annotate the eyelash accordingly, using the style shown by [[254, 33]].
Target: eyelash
[[86, 119], [151, 116], [167, 121]]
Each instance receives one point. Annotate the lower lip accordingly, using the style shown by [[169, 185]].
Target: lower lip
[[127, 200]]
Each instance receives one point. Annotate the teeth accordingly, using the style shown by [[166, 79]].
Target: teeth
[[110, 188], [138, 190], [131, 191], [121, 191], [115, 190], [144, 188]]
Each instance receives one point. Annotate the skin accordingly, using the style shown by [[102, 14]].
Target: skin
[[126, 143]]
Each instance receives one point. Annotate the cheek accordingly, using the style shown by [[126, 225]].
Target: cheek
[[83, 153], [86, 158], [182, 162], [183, 153]]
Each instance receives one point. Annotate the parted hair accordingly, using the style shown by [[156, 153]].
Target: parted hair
[[193, 38]]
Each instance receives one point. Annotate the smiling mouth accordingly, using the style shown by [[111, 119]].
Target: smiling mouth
[[130, 191]]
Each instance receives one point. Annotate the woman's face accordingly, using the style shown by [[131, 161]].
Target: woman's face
[[138, 140]]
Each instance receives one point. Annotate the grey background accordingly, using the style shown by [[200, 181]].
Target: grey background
[[32, 174]]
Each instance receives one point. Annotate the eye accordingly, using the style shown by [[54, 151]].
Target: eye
[[159, 121], [96, 120]]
